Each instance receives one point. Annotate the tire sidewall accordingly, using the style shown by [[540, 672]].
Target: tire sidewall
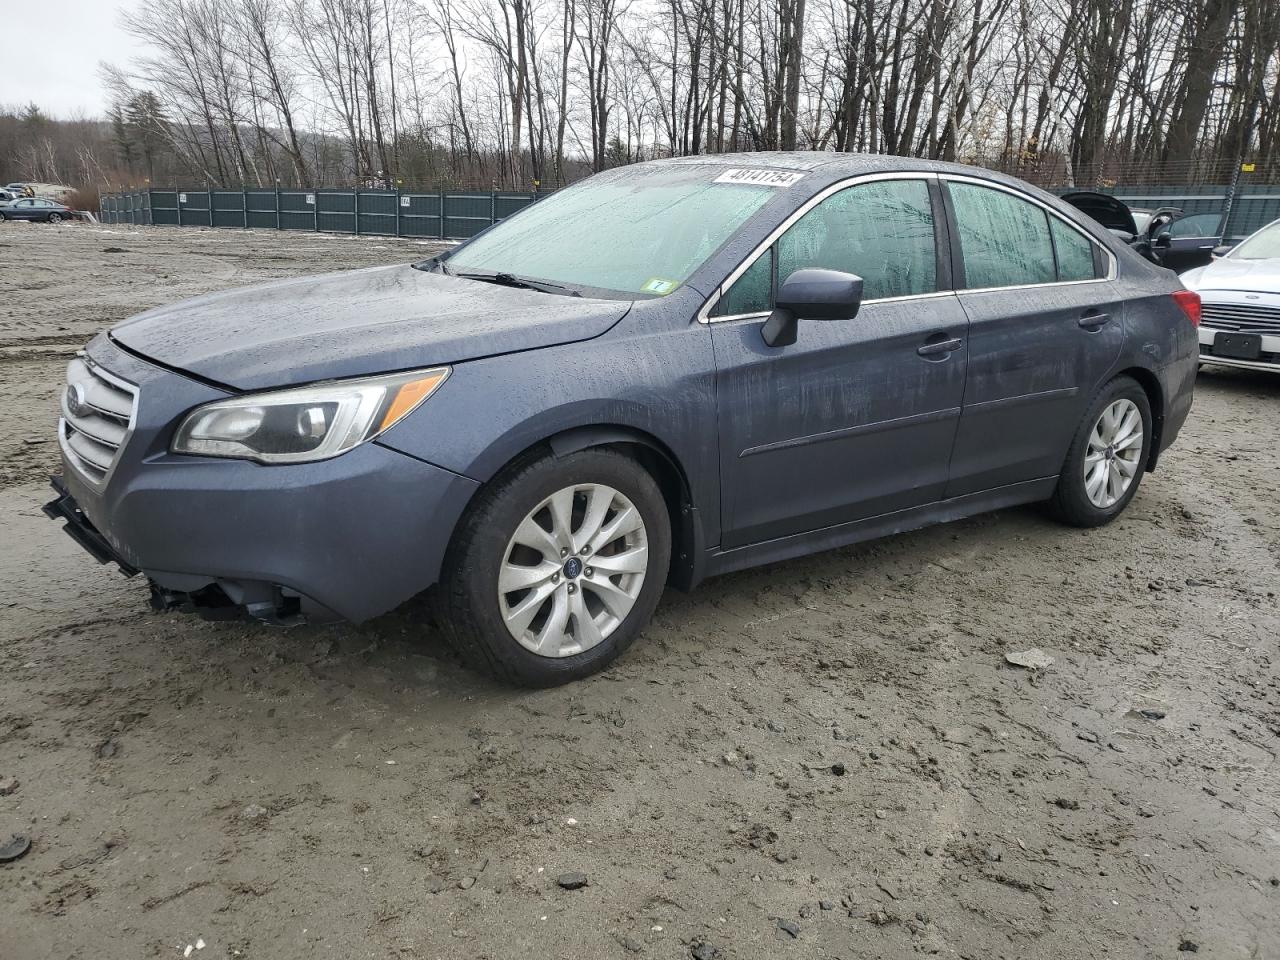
[[1071, 483], [479, 560]]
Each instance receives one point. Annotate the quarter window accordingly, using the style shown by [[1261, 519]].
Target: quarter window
[[1004, 240], [1075, 252], [752, 292]]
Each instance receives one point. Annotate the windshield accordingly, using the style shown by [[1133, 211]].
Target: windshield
[[1263, 245], [639, 231]]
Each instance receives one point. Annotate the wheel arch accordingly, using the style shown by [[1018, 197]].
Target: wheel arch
[[654, 456], [1150, 384], [665, 467]]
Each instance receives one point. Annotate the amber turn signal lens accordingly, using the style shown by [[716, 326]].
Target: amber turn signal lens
[[409, 395]]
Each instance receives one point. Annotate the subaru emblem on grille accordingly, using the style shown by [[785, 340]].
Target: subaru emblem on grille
[[77, 399]]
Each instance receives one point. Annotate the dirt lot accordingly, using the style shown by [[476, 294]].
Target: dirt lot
[[350, 792]]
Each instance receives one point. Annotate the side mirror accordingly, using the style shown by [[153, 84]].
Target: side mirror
[[1221, 250], [1163, 241], [811, 294]]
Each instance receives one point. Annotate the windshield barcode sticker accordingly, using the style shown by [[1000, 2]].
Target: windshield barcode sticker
[[760, 178]]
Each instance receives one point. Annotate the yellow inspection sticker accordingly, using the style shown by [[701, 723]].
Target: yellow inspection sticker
[[658, 285]]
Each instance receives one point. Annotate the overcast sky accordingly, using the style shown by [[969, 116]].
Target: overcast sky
[[61, 72]]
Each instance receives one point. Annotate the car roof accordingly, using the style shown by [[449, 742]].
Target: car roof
[[823, 168], [837, 164]]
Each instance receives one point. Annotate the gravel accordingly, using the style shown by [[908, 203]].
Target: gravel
[[137, 854]]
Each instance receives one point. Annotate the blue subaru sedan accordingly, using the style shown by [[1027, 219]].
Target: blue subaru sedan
[[663, 373]]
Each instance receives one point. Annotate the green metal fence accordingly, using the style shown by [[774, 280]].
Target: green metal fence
[[443, 215], [450, 215]]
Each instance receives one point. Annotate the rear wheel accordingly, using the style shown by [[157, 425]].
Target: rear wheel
[[1107, 457], [557, 567]]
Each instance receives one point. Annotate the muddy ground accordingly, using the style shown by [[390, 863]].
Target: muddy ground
[[353, 793]]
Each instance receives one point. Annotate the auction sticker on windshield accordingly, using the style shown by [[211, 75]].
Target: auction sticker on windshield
[[760, 178], [659, 286]]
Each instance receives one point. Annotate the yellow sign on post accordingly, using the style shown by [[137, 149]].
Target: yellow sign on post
[[1246, 168]]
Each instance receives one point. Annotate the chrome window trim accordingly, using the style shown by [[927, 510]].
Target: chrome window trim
[[711, 301], [866, 303], [70, 457]]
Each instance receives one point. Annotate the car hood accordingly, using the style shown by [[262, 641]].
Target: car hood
[[1254, 276], [356, 323]]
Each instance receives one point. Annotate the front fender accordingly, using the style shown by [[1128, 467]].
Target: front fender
[[653, 383]]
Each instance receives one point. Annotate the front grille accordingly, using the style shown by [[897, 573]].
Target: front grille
[[97, 415], [1240, 316]]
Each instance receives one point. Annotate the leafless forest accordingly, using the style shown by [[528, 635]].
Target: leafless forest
[[513, 93]]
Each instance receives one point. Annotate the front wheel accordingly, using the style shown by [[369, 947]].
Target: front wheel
[[55, 218], [557, 567], [1107, 457]]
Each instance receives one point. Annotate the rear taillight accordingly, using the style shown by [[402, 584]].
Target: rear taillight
[[1189, 301]]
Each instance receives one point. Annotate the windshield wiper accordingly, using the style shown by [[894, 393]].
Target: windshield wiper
[[523, 283]]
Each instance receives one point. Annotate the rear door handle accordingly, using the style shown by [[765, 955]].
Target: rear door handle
[[939, 347], [1092, 321]]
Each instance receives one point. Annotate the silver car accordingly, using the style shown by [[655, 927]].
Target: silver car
[[1240, 303]]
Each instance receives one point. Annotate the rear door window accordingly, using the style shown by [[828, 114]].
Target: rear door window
[[1004, 240]]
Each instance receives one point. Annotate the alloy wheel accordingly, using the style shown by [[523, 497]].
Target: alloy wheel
[[1112, 457], [573, 570]]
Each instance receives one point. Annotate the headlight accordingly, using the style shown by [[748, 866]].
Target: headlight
[[304, 423]]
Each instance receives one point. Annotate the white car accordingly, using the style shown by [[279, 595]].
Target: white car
[[1240, 303]]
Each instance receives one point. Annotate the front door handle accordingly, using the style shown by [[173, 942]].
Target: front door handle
[[1093, 320], [938, 347]]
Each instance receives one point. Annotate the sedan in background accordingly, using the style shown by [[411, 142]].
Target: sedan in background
[[1240, 296], [37, 208]]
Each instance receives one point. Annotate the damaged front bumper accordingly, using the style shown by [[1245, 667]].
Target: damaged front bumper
[[217, 599], [350, 537], [78, 527]]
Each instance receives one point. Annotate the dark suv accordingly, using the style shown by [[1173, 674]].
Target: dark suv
[[663, 373]]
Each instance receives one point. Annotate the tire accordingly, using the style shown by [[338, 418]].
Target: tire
[[1082, 503], [55, 218], [490, 549]]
